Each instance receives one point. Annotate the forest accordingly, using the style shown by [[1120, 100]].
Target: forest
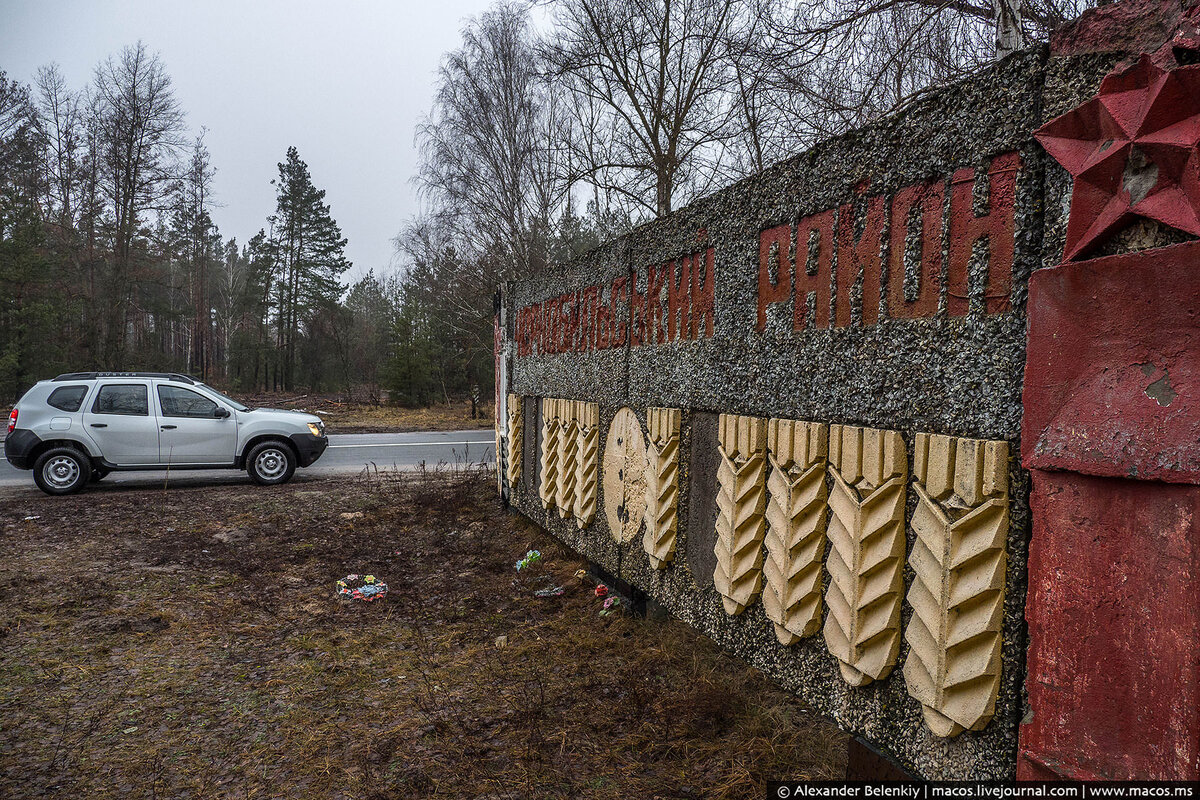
[[555, 126]]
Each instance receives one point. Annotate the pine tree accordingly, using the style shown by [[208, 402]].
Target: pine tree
[[31, 307], [309, 251]]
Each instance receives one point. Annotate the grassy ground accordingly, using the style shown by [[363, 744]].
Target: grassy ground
[[358, 417], [189, 643]]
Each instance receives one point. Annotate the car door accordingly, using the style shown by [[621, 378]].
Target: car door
[[194, 428], [122, 423]]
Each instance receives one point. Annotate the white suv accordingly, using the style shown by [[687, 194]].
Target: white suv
[[81, 426]]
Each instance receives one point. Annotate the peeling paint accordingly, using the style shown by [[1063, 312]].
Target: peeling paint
[[1161, 391], [1140, 176]]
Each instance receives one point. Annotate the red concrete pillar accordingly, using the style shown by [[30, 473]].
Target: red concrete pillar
[[1111, 435]]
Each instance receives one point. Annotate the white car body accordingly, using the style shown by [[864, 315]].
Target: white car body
[[146, 421]]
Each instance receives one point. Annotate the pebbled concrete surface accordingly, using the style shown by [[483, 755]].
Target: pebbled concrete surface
[[959, 376]]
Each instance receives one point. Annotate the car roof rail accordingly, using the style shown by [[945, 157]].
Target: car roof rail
[[91, 376]]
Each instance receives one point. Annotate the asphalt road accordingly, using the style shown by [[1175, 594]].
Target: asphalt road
[[347, 454]]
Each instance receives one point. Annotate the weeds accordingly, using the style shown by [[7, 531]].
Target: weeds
[[180, 660]]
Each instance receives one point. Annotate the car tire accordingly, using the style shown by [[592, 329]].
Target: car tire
[[61, 470], [271, 463]]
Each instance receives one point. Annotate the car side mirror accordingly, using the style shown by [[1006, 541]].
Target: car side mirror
[[220, 412]]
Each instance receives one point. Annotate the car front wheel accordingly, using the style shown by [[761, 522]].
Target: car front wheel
[[61, 470], [271, 463]]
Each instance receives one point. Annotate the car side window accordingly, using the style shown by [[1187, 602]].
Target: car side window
[[179, 402], [67, 398], [122, 398]]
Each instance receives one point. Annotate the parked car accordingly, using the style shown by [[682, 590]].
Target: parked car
[[81, 426]]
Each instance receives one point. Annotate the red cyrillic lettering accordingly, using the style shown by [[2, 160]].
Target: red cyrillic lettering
[[928, 200], [859, 257], [818, 281], [779, 241], [997, 225]]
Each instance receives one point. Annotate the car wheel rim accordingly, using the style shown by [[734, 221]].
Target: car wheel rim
[[61, 472], [271, 464]]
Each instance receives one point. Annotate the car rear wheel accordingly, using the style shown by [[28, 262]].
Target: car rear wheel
[[61, 470], [271, 463]]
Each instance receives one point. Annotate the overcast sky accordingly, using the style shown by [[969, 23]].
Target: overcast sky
[[345, 82]]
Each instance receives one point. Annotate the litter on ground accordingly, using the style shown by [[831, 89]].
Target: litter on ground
[[531, 558], [368, 590]]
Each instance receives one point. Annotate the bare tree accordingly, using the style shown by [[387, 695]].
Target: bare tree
[[192, 230], [490, 175], [488, 167], [847, 62], [658, 73], [140, 127], [60, 123], [1009, 33], [763, 128]]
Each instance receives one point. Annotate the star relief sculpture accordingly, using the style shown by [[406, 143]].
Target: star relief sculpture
[[1132, 151]]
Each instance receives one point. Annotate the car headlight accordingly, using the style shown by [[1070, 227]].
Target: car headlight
[[317, 428]]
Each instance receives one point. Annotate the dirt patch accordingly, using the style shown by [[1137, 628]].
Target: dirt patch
[[189, 643]]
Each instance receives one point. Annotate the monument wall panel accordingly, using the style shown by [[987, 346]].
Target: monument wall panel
[[863, 300]]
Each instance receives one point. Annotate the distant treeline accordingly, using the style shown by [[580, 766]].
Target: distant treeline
[[109, 258], [542, 142]]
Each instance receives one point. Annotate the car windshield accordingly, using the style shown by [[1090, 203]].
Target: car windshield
[[236, 405]]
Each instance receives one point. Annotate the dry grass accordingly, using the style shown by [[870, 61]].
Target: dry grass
[[189, 644], [353, 416], [393, 419]]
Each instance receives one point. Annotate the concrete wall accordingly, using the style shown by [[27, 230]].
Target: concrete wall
[[875, 288]]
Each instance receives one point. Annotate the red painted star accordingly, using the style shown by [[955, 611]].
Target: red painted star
[[1132, 151]]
